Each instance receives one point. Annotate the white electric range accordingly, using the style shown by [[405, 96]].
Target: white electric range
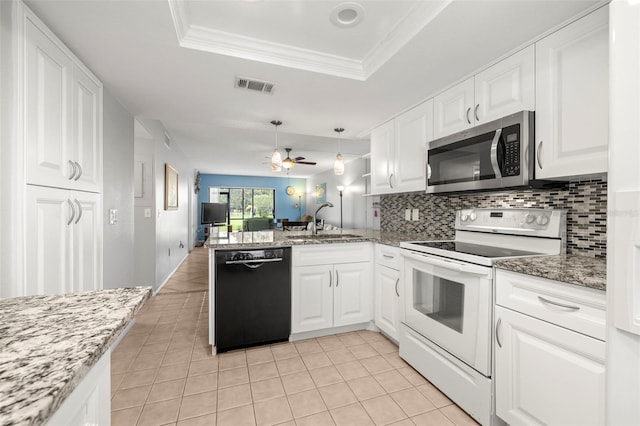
[[447, 309]]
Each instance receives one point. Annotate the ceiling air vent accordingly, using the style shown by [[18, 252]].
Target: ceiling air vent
[[255, 85]]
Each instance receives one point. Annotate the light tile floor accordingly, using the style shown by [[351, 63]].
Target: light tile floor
[[163, 373]]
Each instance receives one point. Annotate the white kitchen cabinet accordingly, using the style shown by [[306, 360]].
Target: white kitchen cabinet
[[63, 114], [572, 95], [398, 151], [331, 286], [64, 241], [382, 145], [500, 90], [548, 367], [387, 290]]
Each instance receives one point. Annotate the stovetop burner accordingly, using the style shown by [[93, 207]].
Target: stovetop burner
[[475, 249]]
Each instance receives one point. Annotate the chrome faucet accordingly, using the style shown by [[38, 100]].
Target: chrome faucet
[[314, 228]]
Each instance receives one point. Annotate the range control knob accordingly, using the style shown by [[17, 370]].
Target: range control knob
[[473, 216], [542, 220], [529, 218], [464, 217]]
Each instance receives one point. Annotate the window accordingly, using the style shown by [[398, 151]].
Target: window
[[245, 203]]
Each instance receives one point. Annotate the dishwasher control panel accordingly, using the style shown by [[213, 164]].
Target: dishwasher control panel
[[250, 255]]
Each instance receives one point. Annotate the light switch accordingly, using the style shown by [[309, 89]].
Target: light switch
[[113, 216], [415, 214], [147, 212], [407, 214]]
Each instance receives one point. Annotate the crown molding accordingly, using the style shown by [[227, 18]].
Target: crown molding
[[224, 43]]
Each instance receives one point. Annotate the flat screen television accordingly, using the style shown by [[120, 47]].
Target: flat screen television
[[213, 214]]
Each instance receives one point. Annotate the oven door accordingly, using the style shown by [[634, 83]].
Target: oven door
[[449, 303]]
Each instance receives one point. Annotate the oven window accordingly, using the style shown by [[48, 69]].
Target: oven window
[[438, 298]]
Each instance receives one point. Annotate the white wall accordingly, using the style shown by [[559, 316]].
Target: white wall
[[353, 203], [145, 227], [171, 226], [117, 193]]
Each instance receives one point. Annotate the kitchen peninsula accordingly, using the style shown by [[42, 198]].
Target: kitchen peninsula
[[55, 354]]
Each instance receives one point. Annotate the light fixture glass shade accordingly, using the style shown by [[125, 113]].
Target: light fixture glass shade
[[288, 163], [340, 188], [276, 161], [338, 166]]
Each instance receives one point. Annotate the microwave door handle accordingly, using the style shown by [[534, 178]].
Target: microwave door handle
[[494, 153]]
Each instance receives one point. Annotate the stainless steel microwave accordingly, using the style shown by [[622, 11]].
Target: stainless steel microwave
[[498, 154]]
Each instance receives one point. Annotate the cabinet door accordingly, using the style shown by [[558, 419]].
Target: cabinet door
[[312, 298], [506, 88], [387, 300], [47, 81], [547, 374], [413, 130], [87, 242], [49, 221], [382, 158], [87, 130], [352, 293], [453, 109], [572, 99]]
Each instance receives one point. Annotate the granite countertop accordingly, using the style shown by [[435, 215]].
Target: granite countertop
[[49, 343], [584, 271], [277, 238]]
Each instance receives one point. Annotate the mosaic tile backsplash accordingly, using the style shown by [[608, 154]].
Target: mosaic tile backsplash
[[585, 202]]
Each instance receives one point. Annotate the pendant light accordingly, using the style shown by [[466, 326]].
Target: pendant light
[[338, 166], [276, 158]]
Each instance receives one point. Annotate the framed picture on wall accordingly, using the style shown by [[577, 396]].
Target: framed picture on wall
[[170, 187], [321, 193]]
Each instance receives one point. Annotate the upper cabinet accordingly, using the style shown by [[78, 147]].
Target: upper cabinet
[[63, 114], [398, 151], [572, 93], [502, 89]]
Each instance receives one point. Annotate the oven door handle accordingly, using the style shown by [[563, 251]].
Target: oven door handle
[[447, 264], [494, 154]]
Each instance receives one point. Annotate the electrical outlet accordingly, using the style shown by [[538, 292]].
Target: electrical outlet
[[147, 212], [407, 214], [415, 215]]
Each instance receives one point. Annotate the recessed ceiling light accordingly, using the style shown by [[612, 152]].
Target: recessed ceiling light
[[347, 14]]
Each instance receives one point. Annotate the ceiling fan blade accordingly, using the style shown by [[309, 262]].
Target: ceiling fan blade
[[298, 158], [309, 163]]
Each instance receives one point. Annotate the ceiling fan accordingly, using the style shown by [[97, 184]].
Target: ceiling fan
[[289, 162]]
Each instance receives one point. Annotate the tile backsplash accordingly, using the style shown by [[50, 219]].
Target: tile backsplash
[[585, 202]]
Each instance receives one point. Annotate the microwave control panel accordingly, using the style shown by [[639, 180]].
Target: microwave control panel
[[511, 166]]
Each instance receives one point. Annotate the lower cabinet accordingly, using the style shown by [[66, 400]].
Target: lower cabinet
[[546, 372], [63, 250], [330, 295], [387, 290]]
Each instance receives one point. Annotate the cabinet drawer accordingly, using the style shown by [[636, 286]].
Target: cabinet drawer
[[577, 308], [388, 256], [324, 254]]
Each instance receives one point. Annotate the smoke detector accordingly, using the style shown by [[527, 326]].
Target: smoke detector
[[254, 85]]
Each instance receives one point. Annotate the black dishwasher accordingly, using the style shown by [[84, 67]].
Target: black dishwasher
[[252, 297]]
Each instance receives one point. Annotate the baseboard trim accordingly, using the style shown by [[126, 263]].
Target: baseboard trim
[[166, 280]]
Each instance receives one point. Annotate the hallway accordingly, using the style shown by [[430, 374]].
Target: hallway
[[162, 373]]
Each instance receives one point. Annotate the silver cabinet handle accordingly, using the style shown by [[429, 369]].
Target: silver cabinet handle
[[468, 112], [79, 211], [388, 256], [562, 305], [498, 332], [397, 281], [79, 170], [74, 170], [330, 278], [73, 212], [539, 154], [390, 184], [337, 279], [475, 112]]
